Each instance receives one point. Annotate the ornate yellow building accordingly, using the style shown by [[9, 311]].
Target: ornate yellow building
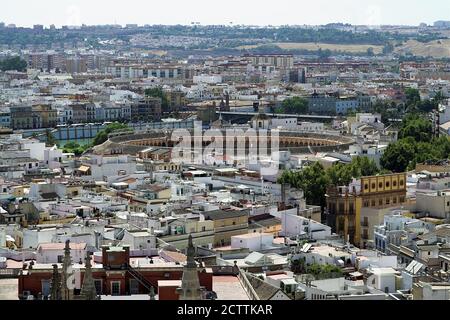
[[346, 206]]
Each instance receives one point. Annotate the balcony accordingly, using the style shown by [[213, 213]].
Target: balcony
[[185, 236], [231, 228]]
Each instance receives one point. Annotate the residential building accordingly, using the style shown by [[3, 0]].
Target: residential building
[[227, 224], [344, 204]]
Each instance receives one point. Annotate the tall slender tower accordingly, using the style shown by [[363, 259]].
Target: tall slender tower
[[67, 275], [88, 291], [190, 284], [55, 291]]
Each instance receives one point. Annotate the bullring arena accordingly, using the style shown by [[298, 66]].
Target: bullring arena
[[295, 142]]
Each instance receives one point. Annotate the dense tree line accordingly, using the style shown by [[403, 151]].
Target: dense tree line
[[315, 179], [415, 104], [102, 135], [416, 144], [13, 63], [75, 148], [294, 105], [229, 35]]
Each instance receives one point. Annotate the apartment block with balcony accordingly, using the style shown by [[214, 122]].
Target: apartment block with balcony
[[176, 231], [354, 210]]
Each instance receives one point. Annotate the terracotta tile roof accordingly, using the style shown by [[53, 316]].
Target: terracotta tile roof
[[174, 256]]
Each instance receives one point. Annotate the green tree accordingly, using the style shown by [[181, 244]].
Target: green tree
[[416, 145], [313, 180], [323, 271], [73, 147], [298, 266], [439, 97], [14, 63], [412, 96], [295, 105], [417, 127], [49, 138], [340, 174], [102, 135], [398, 156], [100, 138], [158, 93], [364, 167]]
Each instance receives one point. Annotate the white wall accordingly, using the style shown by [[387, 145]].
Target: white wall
[[293, 225], [430, 294], [381, 262], [51, 256], [37, 149], [381, 281], [438, 205], [139, 242], [32, 238], [254, 243]]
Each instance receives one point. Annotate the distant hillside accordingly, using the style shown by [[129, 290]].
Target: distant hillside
[[435, 48], [350, 48]]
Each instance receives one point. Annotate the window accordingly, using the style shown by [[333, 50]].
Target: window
[[351, 209], [134, 286], [98, 286], [366, 186], [394, 183], [387, 184], [46, 284], [115, 288], [365, 234], [401, 183], [380, 202], [374, 185], [380, 185]]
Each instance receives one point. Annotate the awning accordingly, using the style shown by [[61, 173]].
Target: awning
[[84, 168], [356, 274]]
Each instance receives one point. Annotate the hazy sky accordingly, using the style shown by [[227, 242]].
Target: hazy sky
[[258, 12]]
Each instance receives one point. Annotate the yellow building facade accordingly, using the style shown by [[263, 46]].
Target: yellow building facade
[[346, 204]]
